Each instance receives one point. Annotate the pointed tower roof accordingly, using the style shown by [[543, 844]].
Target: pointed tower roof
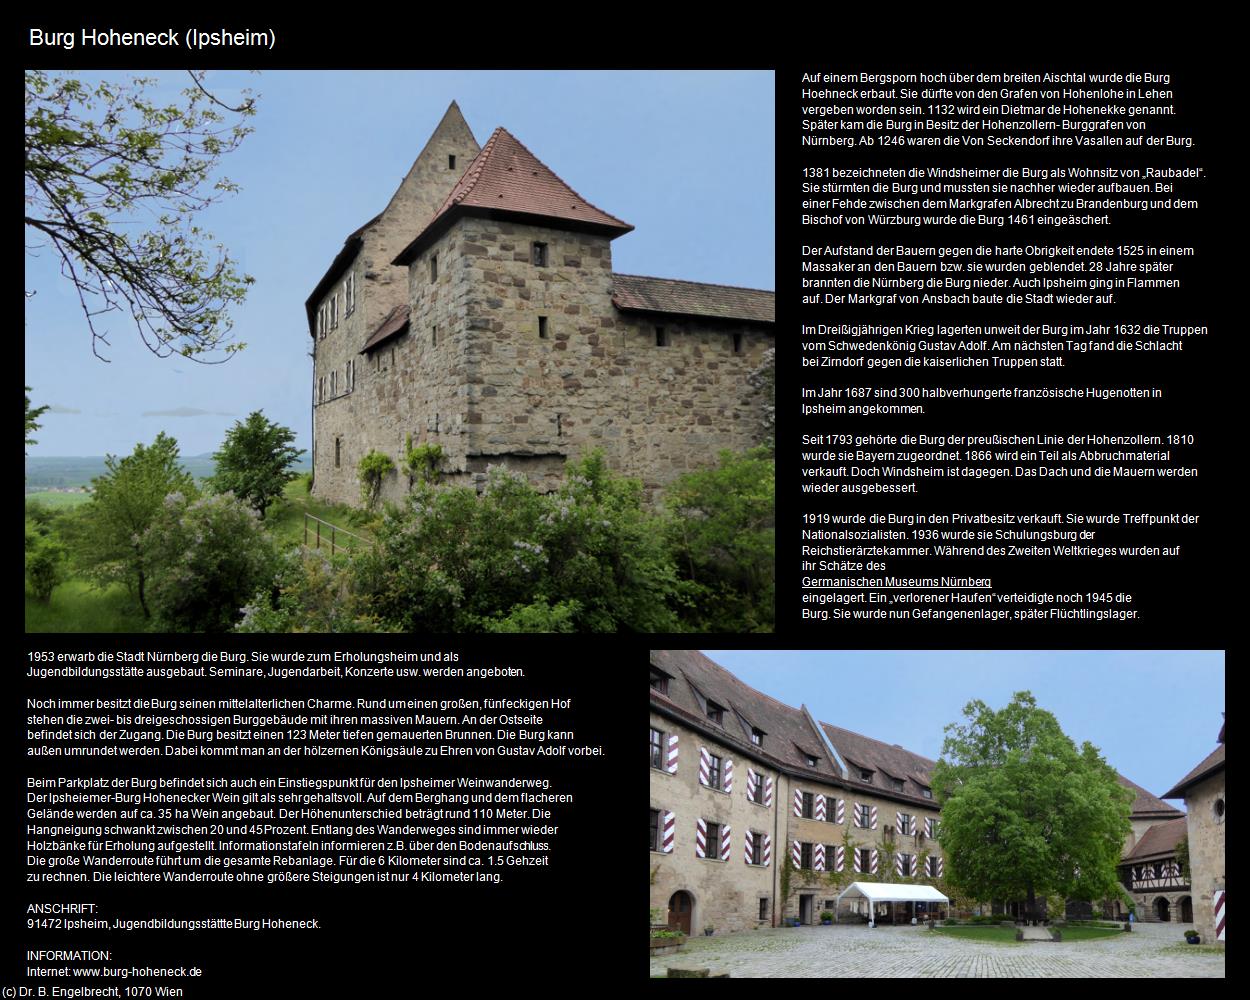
[[506, 180]]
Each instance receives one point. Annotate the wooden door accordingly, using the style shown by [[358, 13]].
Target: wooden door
[[680, 908]]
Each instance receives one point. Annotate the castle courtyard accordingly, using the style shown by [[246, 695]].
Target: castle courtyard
[[1150, 951]]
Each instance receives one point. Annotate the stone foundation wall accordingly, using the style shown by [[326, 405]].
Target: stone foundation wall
[[1206, 850]]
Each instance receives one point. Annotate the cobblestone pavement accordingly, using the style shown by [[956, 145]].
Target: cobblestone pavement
[[1150, 951]]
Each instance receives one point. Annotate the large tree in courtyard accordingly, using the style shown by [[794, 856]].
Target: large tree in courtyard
[[1025, 813]]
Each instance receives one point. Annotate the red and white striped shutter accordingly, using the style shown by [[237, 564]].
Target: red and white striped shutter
[[798, 802], [839, 858], [796, 853], [841, 811], [939, 875], [872, 824], [725, 843], [729, 775], [768, 850], [671, 767], [768, 792], [898, 823], [1218, 902], [898, 864], [700, 839], [752, 782], [928, 826], [819, 862], [855, 862], [670, 833], [872, 859], [747, 843], [705, 766], [820, 807]]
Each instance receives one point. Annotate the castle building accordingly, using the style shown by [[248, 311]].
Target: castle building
[[741, 784], [479, 312], [1203, 791]]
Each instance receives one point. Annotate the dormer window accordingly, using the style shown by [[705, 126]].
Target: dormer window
[[927, 792], [865, 774], [659, 681], [715, 712], [757, 737], [896, 784], [811, 761]]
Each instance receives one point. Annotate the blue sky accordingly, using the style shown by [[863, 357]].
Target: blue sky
[[686, 157], [1153, 714]]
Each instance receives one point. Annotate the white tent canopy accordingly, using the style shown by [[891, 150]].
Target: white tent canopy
[[886, 892]]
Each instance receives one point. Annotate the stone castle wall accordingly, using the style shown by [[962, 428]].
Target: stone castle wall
[[1206, 851], [534, 365]]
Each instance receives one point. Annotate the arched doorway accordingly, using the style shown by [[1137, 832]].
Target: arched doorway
[[1187, 910], [680, 909], [1162, 909]]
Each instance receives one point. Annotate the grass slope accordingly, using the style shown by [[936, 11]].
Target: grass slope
[[75, 607]]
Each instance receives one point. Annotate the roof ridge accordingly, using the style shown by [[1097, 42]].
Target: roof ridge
[[687, 281]]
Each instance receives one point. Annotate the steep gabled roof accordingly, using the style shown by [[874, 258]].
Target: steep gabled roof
[[787, 735], [1161, 838], [636, 293], [1146, 805], [884, 757], [1210, 765], [507, 179]]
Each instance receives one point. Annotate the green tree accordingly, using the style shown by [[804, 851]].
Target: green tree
[[33, 413], [205, 557], [115, 180], [107, 537], [723, 536], [372, 468], [254, 462], [45, 565], [1025, 813]]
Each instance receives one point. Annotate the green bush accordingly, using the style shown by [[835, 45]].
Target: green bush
[[422, 463], [205, 558], [587, 558], [254, 461], [723, 535], [312, 592], [373, 467], [45, 566]]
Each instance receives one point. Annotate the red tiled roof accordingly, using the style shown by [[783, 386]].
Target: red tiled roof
[[873, 755], [1214, 762], [395, 323], [507, 177], [632, 292], [1161, 838], [1146, 804]]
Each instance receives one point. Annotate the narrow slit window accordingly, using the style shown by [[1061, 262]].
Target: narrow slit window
[[451, 161], [433, 336], [542, 327], [737, 343], [433, 267], [338, 452], [661, 337]]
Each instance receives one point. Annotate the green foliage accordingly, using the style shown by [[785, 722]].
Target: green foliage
[[586, 558], [114, 183], [205, 558], [33, 413], [254, 461], [106, 536], [305, 480], [370, 471], [1182, 855], [1026, 813], [45, 566], [722, 533], [76, 606], [314, 593], [422, 463]]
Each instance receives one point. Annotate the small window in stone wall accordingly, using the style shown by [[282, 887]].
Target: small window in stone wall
[[433, 267], [661, 337], [1217, 810], [737, 343], [538, 254], [434, 336], [542, 327], [763, 907], [451, 161], [338, 452]]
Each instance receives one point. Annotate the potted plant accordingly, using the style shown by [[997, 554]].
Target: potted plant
[[708, 930], [826, 916], [1192, 937]]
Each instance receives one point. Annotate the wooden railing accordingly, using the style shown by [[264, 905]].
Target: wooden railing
[[313, 537]]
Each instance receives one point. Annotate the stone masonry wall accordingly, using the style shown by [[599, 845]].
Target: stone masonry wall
[[726, 893], [1206, 851]]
